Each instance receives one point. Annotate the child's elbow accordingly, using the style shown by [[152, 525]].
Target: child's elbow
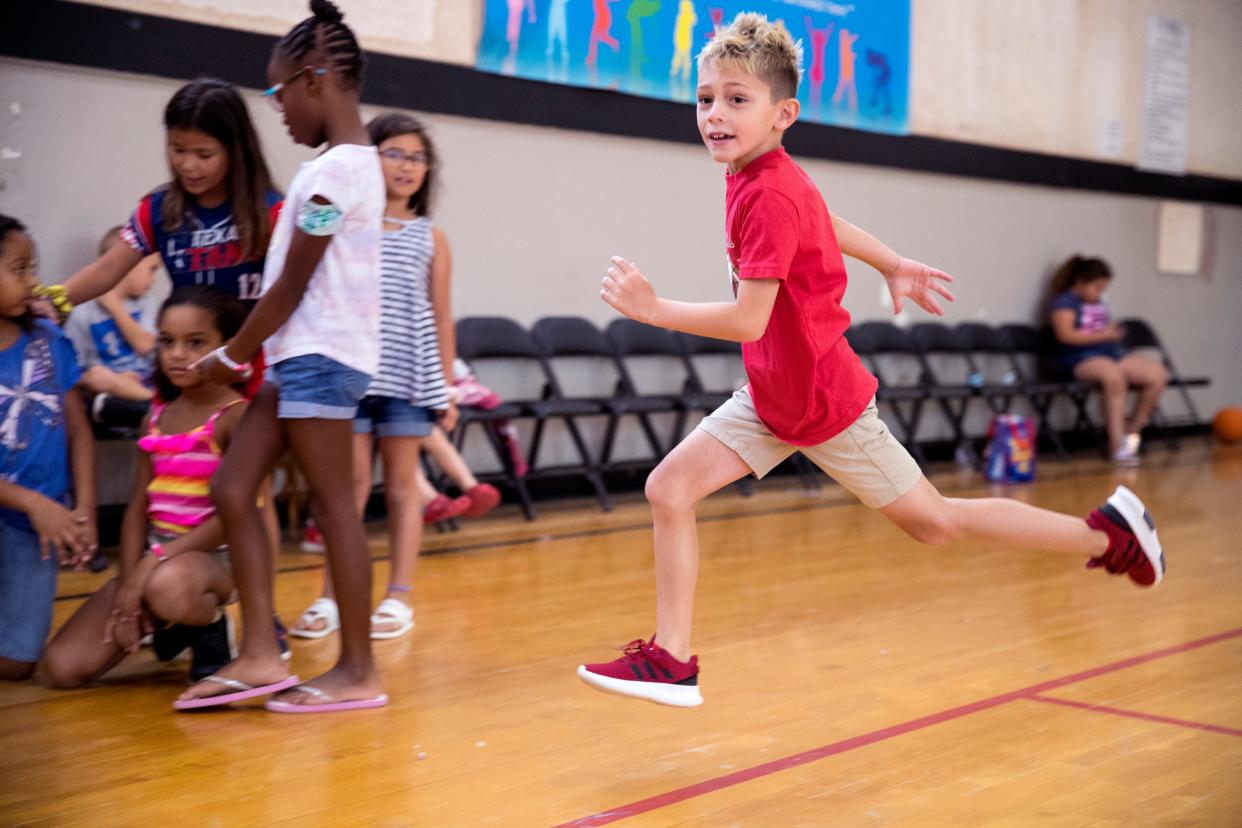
[[753, 330]]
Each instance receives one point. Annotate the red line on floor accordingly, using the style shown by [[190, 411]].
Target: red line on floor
[[1137, 714], [815, 754]]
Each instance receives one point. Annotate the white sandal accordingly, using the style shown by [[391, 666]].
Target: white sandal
[[388, 611], [323, 609]]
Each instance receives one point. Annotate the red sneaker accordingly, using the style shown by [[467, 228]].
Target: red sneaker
[[483, 498], [312, 539], [1133, 547], [443, 507], [647, 672]]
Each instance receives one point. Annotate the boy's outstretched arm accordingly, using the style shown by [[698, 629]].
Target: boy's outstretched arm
[[742, 320], [905, 277]]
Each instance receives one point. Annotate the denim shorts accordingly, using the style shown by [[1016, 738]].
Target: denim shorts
[[27, 589], [316, 387], [393, 417]]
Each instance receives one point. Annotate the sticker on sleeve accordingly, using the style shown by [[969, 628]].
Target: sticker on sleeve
[[317, 219]]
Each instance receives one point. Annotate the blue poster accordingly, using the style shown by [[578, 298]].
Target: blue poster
[[856, 61]]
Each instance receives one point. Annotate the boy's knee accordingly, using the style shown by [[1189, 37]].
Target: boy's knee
[[932, 529], [60, 671], [665, 494]]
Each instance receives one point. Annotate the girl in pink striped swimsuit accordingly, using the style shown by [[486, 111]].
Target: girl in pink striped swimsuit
[[174, 576]]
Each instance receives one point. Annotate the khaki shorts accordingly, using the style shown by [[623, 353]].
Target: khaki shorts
[[864, 458]]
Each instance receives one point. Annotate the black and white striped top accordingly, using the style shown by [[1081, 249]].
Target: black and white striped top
[[410, 366]]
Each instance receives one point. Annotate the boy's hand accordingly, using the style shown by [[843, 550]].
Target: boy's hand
[[920, 283], [448, 416], [61, 532], [627, 290]]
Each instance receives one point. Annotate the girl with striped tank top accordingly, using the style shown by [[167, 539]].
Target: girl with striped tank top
[[174, 573], [409, 393]]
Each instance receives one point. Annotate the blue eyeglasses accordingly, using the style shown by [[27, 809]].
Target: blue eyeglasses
[[272, 94]]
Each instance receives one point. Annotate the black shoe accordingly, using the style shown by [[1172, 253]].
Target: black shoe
[[119, 413], [212, 647], [99, 562], [172, 641], [282, 638]]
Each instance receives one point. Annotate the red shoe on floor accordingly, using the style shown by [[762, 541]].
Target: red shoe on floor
[[445, 508], [312, 539], [1133, 547], [647, 672], [483, 498]]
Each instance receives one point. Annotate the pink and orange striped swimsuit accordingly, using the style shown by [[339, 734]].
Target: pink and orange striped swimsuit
[[179, 494]]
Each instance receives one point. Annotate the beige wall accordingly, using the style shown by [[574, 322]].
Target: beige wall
[[1031, 76], [1044, 76], [534, 213]]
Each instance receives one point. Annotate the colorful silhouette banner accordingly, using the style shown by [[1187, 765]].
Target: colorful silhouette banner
[[856, 61]]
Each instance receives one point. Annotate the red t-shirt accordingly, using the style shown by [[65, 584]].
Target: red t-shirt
[[807, 383]]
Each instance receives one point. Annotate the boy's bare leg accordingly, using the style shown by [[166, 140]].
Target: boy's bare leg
[[929, 517], [449, 459], [699, 465]]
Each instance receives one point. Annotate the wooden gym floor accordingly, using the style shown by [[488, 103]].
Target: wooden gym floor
[[851, 677]]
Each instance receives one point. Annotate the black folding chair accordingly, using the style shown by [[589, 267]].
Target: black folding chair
[[950, 376], [484, 339], [1028, 357], [634, 343], [1139, 334], [876, 343], [492, 339], [991, 349], [571, 341]]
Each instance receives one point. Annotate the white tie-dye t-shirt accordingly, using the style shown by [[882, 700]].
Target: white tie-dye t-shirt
[[339, 316]]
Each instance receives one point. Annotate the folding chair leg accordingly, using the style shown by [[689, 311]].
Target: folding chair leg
[[653, 439], [511, 475], [610, 435], [532, 457], [1043, 411], [591, 470]]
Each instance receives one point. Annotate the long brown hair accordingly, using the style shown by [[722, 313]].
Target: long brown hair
[[392, 124], [1078, 269], [213, 107]]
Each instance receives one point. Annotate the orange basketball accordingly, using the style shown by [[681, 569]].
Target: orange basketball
[[1227, 425]]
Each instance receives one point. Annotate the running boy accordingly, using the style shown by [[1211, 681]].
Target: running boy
[[808, 391]]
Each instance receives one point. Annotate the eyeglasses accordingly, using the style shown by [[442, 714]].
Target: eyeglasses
[[272, 95], [397, 156]]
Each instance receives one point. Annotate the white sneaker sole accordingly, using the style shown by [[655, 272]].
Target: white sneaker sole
[[673, 695], [1127, 503]]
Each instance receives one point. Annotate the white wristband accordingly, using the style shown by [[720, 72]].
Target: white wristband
[[241, 368]]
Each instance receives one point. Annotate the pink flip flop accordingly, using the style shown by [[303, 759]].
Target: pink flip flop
[[325, 703], [242, 692]]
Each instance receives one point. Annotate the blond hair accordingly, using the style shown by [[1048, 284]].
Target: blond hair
[[761, 49]]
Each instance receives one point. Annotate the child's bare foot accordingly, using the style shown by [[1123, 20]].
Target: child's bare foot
[[338, 689], [244, 669]]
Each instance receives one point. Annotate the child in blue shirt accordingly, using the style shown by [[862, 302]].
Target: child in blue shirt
[[43, 435]]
